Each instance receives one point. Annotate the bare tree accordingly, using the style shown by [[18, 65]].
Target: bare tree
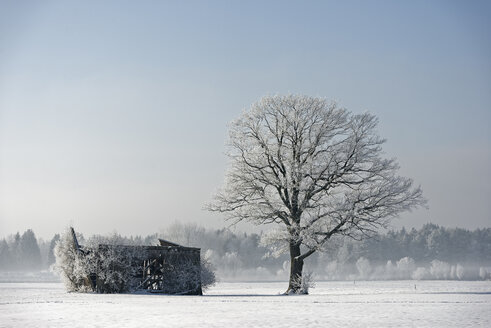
[[315, 169]]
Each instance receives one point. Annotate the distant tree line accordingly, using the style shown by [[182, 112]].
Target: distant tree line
[[430, 252], [26, 252], [431, 242]]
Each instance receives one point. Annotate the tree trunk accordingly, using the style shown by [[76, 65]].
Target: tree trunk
[[296, 267]]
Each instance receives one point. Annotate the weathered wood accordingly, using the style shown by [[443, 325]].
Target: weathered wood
[[75, 241]]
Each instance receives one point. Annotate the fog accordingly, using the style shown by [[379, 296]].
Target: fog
[[432, 252]]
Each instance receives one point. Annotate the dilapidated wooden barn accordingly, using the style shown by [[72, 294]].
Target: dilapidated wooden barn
[[167, 268]]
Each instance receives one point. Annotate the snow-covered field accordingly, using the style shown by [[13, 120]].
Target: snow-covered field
[[330, 304]]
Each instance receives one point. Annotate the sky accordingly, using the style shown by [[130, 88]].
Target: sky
[[114, 114]]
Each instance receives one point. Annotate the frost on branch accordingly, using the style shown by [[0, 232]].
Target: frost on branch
[[277, 242]]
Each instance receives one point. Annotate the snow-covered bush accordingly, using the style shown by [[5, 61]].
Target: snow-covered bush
[[405, 268], [232, 262], [421, 273], [208, 277], [118, 268], [181, 277], [440, 269], [390, 270], [78, 267], [483, 273], [331, 269], [457, 272], [306, 281], [364, 267]]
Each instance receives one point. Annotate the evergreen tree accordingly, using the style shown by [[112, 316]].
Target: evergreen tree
[[30, 254], [4, 255], [14, 250]]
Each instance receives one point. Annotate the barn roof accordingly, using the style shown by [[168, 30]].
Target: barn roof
[[164, 242]]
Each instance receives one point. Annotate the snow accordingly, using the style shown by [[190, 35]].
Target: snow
[[333, 304]]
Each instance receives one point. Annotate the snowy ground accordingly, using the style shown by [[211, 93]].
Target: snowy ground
[[331, 304]]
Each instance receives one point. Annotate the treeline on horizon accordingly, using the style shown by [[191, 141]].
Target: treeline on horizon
[[432, 252]]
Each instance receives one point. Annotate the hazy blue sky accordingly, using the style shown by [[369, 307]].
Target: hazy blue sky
[[113, 115]]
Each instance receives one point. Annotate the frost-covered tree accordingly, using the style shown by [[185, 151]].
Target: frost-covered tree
[[113, 265], [189, 234], [4, 254], [73, 267], [315, 169]]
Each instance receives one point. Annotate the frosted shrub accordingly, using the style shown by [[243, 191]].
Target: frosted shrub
[[232, 261], [116, 271], [440, 269], [208, 277], [331, 269], [180, 276], [305, 282], [405, 267], [378, 272], [483, 273], [364, 267], [420, 273], [460, 272], [457, 272], [113, 266], [390, 270]]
